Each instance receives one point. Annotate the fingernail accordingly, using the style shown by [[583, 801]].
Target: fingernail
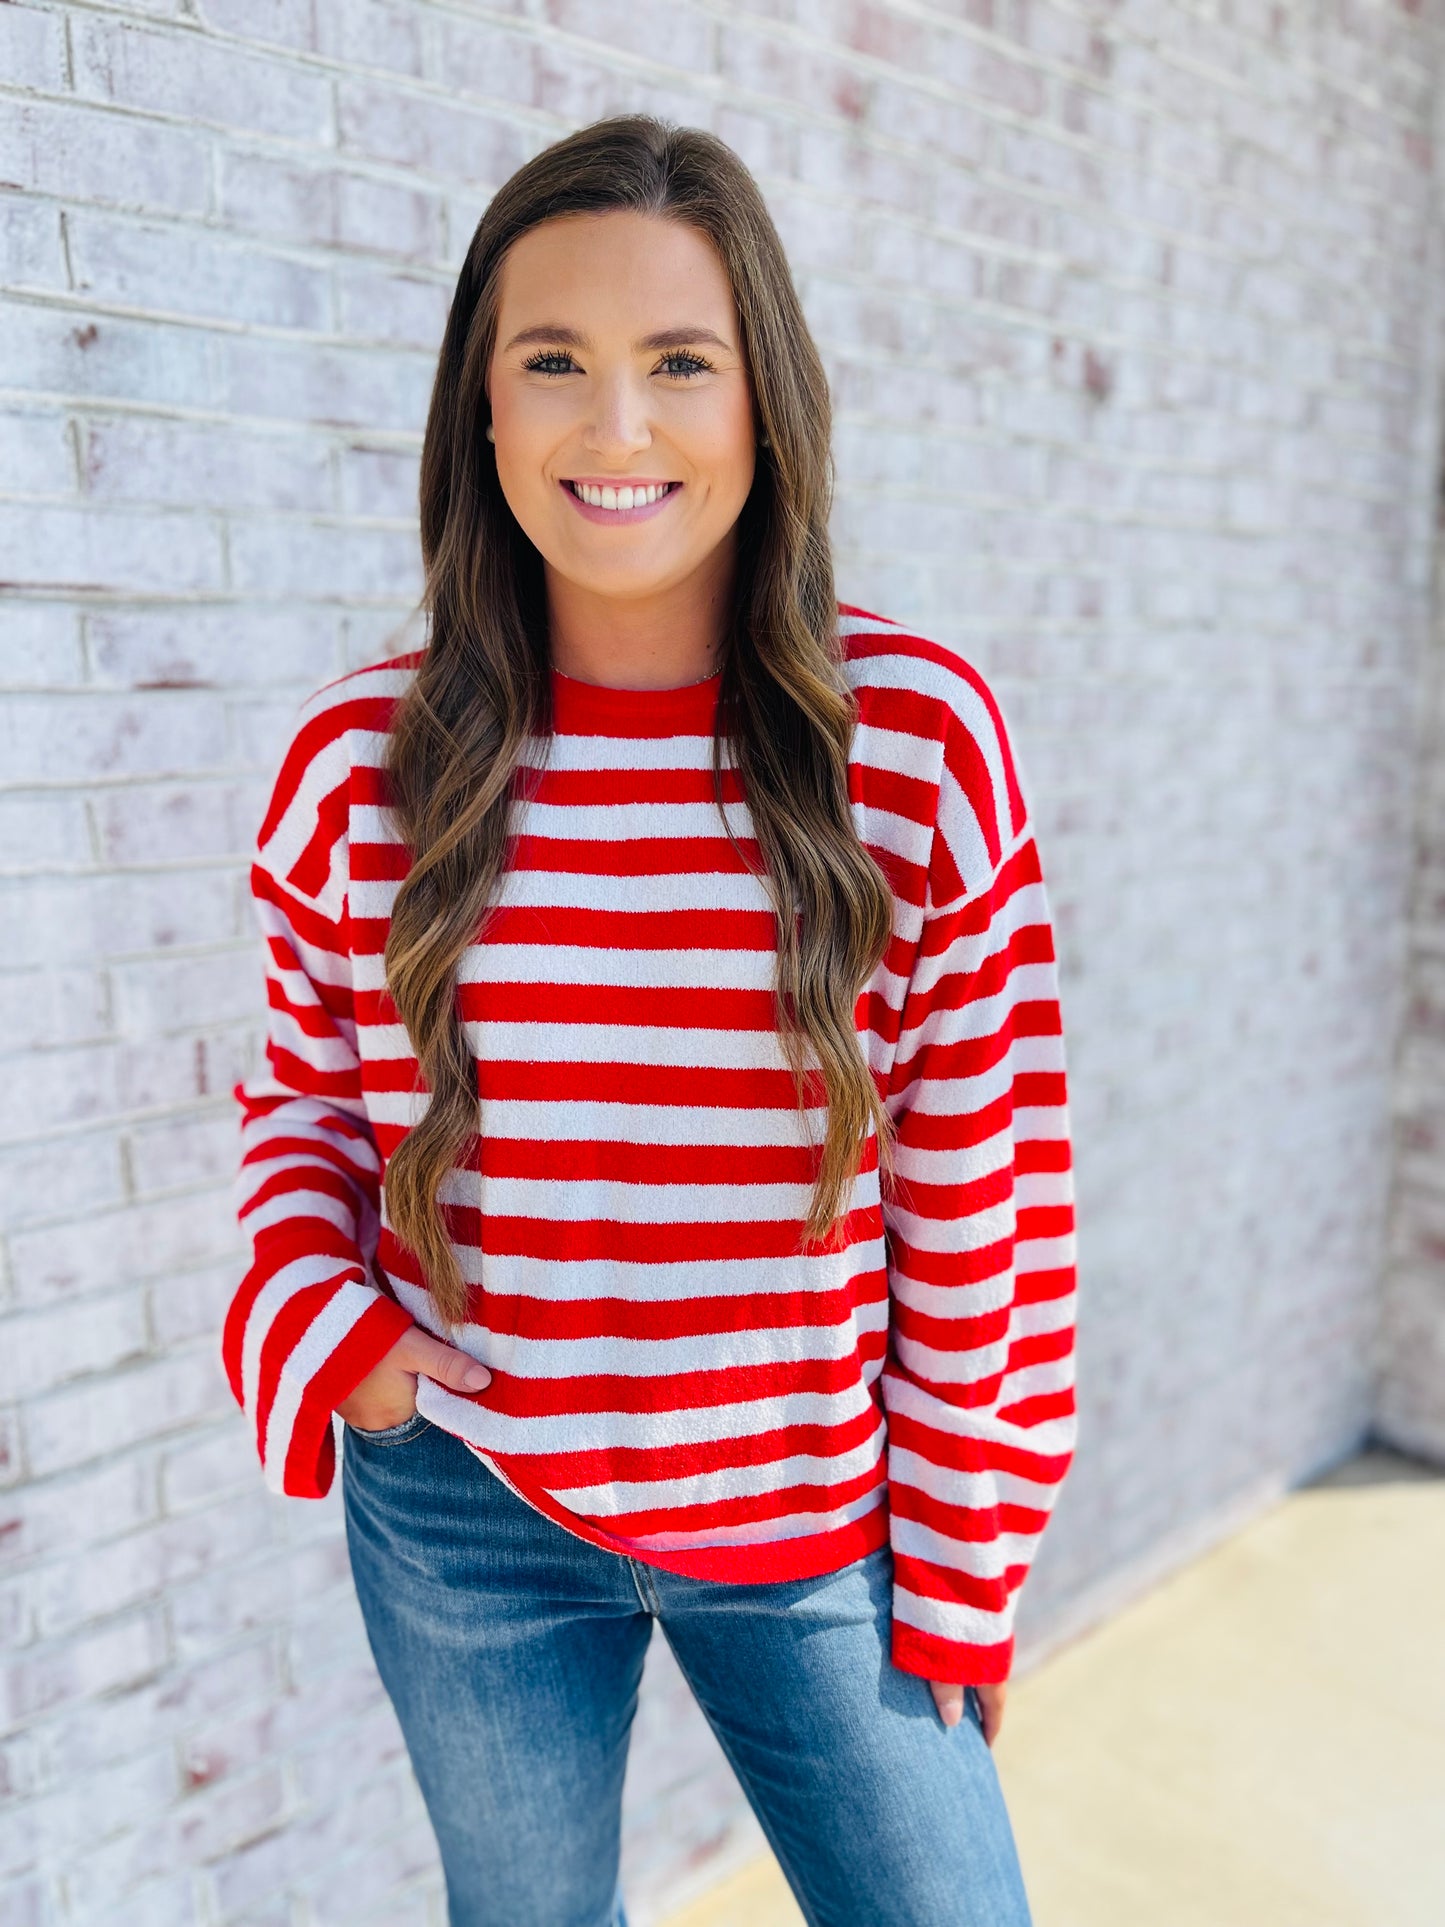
[[475, 1377]]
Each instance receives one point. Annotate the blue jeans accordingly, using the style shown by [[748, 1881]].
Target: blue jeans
[[512, 1651]]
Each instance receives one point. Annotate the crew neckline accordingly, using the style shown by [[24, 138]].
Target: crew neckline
[[577, 704]]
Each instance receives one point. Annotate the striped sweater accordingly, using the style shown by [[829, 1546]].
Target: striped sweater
[[677, 1375]]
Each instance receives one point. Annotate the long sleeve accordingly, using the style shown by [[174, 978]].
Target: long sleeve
[[978, 1384], [306, 1325]]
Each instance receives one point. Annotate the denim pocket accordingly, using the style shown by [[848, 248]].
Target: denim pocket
[[409, 1428]]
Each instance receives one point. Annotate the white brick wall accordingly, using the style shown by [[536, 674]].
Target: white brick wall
[[1131, 315], [1411, 1398]]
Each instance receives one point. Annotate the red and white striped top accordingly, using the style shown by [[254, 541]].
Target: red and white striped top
[[676, 1375]]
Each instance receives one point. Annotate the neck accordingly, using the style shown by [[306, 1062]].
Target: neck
[[657, 641]]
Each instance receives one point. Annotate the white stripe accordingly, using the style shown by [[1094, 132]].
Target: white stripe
[[982, 1558], [989, 1225], [546, 1281], [698, 1049], [901, 1395], [947, 1619], [726, 1482], [611, 1201], [798, 1525], [535, 964], [597, 1121], [950, 1368], [607, 1431]]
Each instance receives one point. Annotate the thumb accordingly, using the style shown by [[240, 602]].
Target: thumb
[[457, 1370]]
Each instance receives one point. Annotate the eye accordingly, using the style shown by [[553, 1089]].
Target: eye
[[547, 354], [699, 365]]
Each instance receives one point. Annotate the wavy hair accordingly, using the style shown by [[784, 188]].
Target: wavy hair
[[482, 686]]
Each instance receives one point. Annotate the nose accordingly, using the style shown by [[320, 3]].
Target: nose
[[619, 424]]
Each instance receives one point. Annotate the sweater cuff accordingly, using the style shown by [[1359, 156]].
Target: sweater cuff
[[310, 1463], [950, 1662]]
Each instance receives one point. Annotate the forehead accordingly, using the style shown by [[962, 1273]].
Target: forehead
[[591, 271]]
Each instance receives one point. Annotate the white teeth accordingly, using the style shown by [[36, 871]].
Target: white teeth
[[618, 498]]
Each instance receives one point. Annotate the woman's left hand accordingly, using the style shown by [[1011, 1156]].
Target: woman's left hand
[[949, 1701]]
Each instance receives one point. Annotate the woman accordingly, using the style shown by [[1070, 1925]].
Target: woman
[[662, 1164]]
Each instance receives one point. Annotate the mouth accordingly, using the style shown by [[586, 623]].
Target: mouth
[[619, 502]]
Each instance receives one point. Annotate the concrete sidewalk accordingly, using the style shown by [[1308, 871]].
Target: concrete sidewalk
[[1259, 1742]]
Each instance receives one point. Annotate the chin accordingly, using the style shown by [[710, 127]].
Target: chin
[[622, 581]]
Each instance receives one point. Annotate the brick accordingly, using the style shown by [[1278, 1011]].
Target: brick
[[666, 35], [177, 1070], [46, 1518], [203, 1467], [169, 1901], [67, 919], [27, 1903], [228, 1604], [43, 1349], [39, 831], [382, 33], [161, 993], [65, 351], [218, 646], [116, 160], [176, 269], [357, 1812], [197, 80], [333, 386], [34, 1099], [97, 736], [154, 1559], [141, 1242], [41, 1006], [293, 200], [377, 304], [379, 481], [32, 49], [39, 457], [210, 1824], [57, 1826], [162, 1710], [203, 1150], [287, 557], [144, 1402], [92, 549], [104, 1661], [425, 132]]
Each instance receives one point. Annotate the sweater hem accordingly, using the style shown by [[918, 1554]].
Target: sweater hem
[[769, 1562]]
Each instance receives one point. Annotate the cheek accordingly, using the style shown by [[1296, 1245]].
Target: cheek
[[722, 446]]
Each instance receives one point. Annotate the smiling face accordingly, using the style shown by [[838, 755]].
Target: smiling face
[[618, 364]]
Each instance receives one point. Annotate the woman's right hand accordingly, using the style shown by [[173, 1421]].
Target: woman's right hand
[[387, 1395]]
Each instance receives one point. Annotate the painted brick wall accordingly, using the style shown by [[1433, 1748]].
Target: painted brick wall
[[1130, 313], [1410, 1406]]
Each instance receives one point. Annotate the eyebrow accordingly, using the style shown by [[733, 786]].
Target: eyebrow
[[573, 338]]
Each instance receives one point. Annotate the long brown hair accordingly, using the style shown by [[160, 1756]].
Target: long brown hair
[[482, 685]]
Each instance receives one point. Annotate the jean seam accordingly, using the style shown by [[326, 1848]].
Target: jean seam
[[643, 1587]]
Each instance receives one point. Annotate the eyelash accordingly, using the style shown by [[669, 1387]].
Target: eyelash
[[560, 354]]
